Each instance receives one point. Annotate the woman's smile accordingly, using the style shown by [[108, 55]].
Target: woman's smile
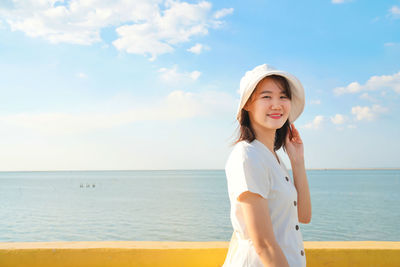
[[275, 115]]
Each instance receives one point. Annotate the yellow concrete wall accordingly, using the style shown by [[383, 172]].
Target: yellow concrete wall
[[193, 254]]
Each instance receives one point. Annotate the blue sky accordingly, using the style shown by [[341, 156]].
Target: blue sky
[[154, 84]]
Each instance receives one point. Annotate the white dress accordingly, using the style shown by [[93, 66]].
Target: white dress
[[253, 167]]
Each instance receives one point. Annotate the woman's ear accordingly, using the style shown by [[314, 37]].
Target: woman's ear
[[246, 106]]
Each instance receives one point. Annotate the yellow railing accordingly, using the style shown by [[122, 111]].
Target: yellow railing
[[193, 254]]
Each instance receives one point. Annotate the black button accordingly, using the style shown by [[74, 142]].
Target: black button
[[297, 227], [302, 253], [295, 203], [287, 179]]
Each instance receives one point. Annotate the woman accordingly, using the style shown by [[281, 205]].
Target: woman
[[267, 206]]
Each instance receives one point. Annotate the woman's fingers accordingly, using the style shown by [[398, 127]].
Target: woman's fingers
[[294, 129], [295, 135]]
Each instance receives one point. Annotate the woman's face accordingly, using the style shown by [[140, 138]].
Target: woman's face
[[269, 107]]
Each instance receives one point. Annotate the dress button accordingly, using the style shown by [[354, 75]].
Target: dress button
[[302, 253], [295, 203], [287, 179], [297, 227]]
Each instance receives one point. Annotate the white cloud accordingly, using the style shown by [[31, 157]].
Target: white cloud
[[353, 87], [195, 74], [389, 44], [375, 19], [374, 83], [198, 48], [140, 39], [172, 75], [362, 113], [394, 11], [366, 96], [81, 75], [338, 119], [315, 102], [368, 113], [145, 27], [176, 105], [339, 1], [77, 22], [316, 123], [379, 109], [178, 24], [223, 12]]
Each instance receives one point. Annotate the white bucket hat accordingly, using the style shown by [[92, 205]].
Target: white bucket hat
[[250, 80]]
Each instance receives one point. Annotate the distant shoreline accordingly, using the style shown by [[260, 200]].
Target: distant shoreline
[[311, 169], [354, 169]]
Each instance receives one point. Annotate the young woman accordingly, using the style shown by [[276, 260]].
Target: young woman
[[266, 205]]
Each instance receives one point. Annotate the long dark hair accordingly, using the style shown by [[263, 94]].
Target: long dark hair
[[246, 132]]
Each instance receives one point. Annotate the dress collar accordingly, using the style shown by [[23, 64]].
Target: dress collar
[[260, 144]]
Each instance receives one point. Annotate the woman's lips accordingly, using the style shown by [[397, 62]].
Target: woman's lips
[[275, 116]]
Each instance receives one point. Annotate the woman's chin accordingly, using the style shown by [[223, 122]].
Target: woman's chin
[[270, 124], [275, 123], [273, 126]]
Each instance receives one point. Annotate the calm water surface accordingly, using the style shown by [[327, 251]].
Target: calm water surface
[[183, 205]]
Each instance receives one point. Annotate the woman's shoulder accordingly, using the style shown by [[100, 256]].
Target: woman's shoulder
[[243, 151], [244, 148]]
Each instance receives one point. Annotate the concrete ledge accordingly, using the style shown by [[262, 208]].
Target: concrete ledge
[[193, 254]]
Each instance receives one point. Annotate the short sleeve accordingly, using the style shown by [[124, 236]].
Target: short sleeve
[[248, 174]]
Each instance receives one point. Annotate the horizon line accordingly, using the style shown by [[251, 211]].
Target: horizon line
[[310, 169]]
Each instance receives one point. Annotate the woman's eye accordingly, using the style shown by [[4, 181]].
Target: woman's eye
[[267, 96]]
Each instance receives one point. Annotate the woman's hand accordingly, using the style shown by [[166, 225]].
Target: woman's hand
[[294, 146]]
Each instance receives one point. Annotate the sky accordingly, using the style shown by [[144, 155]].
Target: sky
[[153, 84]]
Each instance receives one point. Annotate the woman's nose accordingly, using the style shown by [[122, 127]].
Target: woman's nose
[[275, 103]]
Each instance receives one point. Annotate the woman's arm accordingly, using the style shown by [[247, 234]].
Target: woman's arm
[[258, 222], [295, 151], [303, 192]]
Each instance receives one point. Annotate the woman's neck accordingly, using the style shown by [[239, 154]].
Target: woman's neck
[[267, 137]]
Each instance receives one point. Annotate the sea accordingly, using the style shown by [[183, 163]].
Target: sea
[[184, 205]]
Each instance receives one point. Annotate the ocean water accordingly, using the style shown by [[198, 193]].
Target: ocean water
[[183, 205]]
